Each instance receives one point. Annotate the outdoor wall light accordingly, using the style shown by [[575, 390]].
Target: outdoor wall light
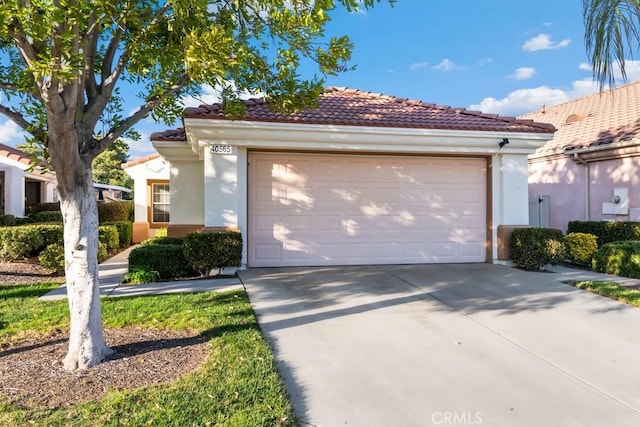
[[504, 142], [615, 199]]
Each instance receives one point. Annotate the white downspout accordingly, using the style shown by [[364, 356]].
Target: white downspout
[[587, 185]]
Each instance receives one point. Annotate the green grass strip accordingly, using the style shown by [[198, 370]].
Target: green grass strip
[[238, 384], [610, 290]]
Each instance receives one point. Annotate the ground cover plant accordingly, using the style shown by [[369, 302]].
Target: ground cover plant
[[235, 383], [626, 294]]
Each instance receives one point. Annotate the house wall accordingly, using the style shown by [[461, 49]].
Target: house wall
[[564, 181], [155, 169], [13, 190], [572, 199], [187, 193], [608, 175], [225, 190]]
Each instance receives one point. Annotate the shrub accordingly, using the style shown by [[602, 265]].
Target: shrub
[[52, 257], [607, 231], [51, 234], [619, 258], [27, 240], [18, 242], [41, 207], [108, 236], [11, 220], [137, 276], [581, 247], [163, 240], [206, 251], [47, 216], [7, 220], [161, 232], [167, 260], [125, 232], [533, 248], [103, 253], [115, 212]]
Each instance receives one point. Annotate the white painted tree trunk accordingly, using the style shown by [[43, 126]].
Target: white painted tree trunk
[[87, 346]]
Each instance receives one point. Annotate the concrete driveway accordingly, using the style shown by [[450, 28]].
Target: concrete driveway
[[470, 344]]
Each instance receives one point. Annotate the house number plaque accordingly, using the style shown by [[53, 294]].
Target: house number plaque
[[220, 149]]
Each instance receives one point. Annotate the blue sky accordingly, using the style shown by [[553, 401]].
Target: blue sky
[[498, 56]]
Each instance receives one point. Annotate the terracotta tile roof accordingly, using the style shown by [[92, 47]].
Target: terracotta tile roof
[[14, 154], [169, 135], [350, 107], [599, 119], [140, 160]]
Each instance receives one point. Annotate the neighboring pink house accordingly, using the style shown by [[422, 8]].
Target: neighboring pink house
[[590, 170]]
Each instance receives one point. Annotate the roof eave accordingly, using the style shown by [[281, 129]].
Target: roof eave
[[258, 134]]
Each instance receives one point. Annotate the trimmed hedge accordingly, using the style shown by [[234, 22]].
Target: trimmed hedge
[[125, 232], [52, 257], [41, 207], [108, 236], [533, 248], [115, 212], [607, 231], [47, 216], [168, 260], [27, 240], [619, 258], [581, 247], [11, 220], [206, 251], [163, 240]]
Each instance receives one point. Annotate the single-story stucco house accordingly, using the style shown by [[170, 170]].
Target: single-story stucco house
[[363, 178], [590, 170], [150, 195], [22, 186]]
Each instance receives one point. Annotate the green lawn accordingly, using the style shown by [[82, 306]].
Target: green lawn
[[238, 385], [610, 290]]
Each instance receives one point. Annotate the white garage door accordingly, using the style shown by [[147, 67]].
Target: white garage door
[[316, 209]]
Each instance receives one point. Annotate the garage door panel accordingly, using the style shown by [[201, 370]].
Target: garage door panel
[[313, 209]]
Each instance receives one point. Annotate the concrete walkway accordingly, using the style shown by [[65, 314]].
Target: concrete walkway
[[112, 271]]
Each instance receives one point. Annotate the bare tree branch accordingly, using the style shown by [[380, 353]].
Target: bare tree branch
[[20, 120], [9, 86], [90, 49], [117, 131]]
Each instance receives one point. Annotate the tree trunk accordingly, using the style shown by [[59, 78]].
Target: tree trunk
[[87, 346]]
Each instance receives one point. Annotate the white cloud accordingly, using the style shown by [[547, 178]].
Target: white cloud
[[212, 95], [543, 42], [141, 147], [445, 65], [10, 133], [632, 68], [418, 65], [524, 101], [523, 73]]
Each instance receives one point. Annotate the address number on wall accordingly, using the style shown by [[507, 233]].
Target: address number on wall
[[220, 149]]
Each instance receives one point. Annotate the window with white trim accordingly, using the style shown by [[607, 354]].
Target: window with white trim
[[160, 202]]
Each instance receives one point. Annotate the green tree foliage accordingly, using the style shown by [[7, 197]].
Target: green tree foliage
[[107, 168], [612, 35], [62, 61]]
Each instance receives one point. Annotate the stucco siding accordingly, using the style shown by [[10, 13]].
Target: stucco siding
[[563, 180], [187, 192]]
